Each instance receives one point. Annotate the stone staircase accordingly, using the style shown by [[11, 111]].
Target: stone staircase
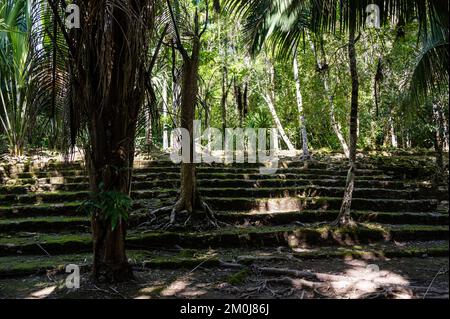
[[402, 212]]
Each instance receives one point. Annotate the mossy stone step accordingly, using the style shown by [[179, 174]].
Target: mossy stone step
[[13, 266], [423, 167], [314, 216], [319, 203], [314, 190], [310, 190], [169, 183], [82, 223], [61, 209], [50, 173], [45, 224], [292, 236], [201, 176], [242, 204], [209, 170], [44, 197], [424, 189], [15, 190]]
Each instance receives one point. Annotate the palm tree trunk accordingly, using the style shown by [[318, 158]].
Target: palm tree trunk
[[108, 74], [301, 117], [344, 218], [114, 173]]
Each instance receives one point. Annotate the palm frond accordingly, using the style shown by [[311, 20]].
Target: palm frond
[[431, 68]]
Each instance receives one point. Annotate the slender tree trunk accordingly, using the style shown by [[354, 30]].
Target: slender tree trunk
[[334, 122], [223, 100], [189, 200], [269, 97], [189, 90], [164, 115], [148, 129], [446, 134], [344, 217], [301, 117], [438, 139], [394, 143], [176, 92]]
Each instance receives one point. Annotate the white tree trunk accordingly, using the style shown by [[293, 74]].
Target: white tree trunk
[[392, 133], [446, 133], [334, 123], [164, 114], [269, 97], [301, 117], [148, 127], [280, 128]]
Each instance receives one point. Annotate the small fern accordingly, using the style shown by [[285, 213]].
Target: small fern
[[114, 205]]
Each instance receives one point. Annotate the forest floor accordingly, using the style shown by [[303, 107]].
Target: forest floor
[[394, 278]]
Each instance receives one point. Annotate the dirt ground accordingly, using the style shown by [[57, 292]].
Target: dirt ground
[[334, 278]]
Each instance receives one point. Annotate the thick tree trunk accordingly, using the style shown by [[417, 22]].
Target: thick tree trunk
[[344, 218], [301, 117], [110, 165], [108, 74], [189, 90]]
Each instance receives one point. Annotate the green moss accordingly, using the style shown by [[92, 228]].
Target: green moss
[[60, 239], [14, 266], [238, 277], [49, 219], [180, 262], [42, 205]]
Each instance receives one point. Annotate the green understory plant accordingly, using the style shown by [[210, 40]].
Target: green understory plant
[[114, 205]]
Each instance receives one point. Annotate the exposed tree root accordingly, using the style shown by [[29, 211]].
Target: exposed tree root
[[178, 216], [346, 221], [306, 157]]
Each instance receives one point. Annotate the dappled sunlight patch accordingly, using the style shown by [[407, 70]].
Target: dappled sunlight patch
[[176, 287], [147, 292], [42, 293], [303, 249], [195, 291], [362, 280]]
